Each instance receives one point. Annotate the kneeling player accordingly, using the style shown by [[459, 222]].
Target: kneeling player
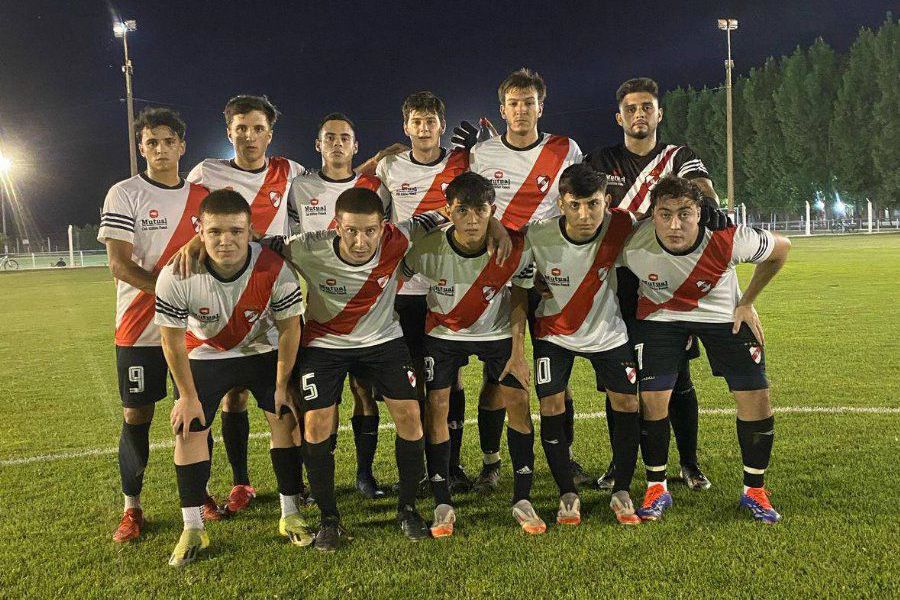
[[688, 286], [470, 312], [246, 303], [576, 254]]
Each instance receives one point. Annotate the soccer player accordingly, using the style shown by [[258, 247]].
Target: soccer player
[[523, 165], [311, 203], [235, 325], [471, 310], [145, 219], [264, 182], [689, 287], [633, 168], [576, 253]]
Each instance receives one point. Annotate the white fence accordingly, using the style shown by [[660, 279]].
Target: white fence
[[53, 260]]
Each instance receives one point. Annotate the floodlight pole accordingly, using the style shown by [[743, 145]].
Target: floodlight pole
[[121, 30], [729, 25], [3, 210]]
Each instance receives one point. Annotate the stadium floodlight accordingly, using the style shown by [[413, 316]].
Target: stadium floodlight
[[5, 166], [729, 25], [121, 30], [820, 205]]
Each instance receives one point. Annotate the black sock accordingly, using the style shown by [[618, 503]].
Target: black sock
[[521, 454], [438, 462], [553, 441], [332, 441], [655, 448], [410, 456], [569, 424], [490, 429], [235, 435], [456, 418], [626, 439], [684, 415], [756, 438], [319, 460], [610, 425], [192, 480], [288, 469], [365, 436], [134, 450], [210, 442]]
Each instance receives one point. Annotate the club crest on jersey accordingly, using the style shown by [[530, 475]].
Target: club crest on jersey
[[444, 186], [543, 183], [203, 315], [442, 288], [411, 376], [704, 286], [631, 374], [195, 222], [405, 190], [275, 198], [500, 180], [556, 277], [756, 354], [383, 281], [251, 315], [331, 287], [488, 292]]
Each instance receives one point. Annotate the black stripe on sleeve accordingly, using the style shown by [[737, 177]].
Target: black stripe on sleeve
[[112, 226], [288, 300]]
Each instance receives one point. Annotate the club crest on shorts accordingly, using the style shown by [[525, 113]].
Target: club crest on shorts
[[631, 374], [411, 375], [543, 183], [488, 292], [275, 198], [251, 315], [704, 286], [756, 354]]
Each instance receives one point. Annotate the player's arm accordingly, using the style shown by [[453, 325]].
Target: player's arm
[[744, 312], [499, 244], [517, 365], [368, 167], [123, 267], [288, 345], [187, 407]]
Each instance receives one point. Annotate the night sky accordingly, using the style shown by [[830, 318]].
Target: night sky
[[62, 114]]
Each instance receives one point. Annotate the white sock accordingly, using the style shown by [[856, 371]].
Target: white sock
[[571, 453], [491, 458], [193, 518], [132, 502], [663, 483], [288, 505]]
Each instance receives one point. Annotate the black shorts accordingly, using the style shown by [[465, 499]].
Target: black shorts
[[660, 348], [412, 311], [213, 378], [534, 298], [142, 375], [320, 372], [444, 359], [616, 369]]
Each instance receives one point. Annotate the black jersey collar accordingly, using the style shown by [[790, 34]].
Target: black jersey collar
[[562, 230], [254, 171], [325, 177], [540, 139], [459, 251], [437, 161], [337, 252], [700, 235], [163, 186], [236, 276]]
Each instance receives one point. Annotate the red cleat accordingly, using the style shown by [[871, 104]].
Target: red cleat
[[239, 499], [130, 526], [211, 510]]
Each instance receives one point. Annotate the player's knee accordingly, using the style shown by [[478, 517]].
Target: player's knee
[[235, 401], [138, 415], [753, 405], [627, 403], [654, 404], [318, 425], [490, 397], [193, 448], [553, 405], [406, 419], [518, 410]]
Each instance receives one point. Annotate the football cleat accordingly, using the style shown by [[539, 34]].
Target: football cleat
[[607, 481], [238, 499], [489, 478], [527, 518], [623, 508], [295, 529], [412, 524], [459, 480], [656, 501], [694, 478], [756, 500], [569, 512], [368, 487], [330, 536], [189, 544], [579, 476], [211, 510], [129, 528], [444, 518]]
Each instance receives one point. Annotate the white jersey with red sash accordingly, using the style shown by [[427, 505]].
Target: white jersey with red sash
[[157, 220], [313, 195], [265, 189], [583, 313], [352, 306], [234, 317], [699, 284], [469, 297], [526, 180], [416, 188]]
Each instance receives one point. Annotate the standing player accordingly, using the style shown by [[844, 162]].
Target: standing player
[[633, 168], [471, 310], [145, 219], [264, 182], [689, 287], [311, 204], [220, 329], [576, 254], [523, 165]]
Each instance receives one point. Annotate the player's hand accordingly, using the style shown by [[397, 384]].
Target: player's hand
[[712, 217], [486, 123], [284, 399], [541, 286], [499, 244], [183, 414], [747, 314], [189, 258], [465, 135], [518, 368]]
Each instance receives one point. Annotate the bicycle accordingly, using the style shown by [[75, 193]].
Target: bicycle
[[8, 264]]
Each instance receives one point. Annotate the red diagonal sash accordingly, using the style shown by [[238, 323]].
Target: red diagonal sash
[[477, 298], [576, 310], [529, 196], [265, 206], [140, 312], [650, 179], [368, 182], [254, 298], [434, 199], [704, 277]]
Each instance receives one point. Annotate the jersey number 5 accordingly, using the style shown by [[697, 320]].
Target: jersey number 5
[[310, 391]]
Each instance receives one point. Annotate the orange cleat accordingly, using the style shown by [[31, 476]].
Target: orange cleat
[[211, 510], [130, 526], [623, 508], [239, 499]]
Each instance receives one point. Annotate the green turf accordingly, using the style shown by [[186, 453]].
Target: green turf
[[831, 328]]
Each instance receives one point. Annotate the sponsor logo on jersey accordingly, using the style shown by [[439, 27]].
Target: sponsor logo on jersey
[[488, 292], [411, 375], [555, 277], [704, 286], [756, 354], [654, 283], [331, 287], [203, 315], [314, 202], [154, 213], [631, 374], [442, 288], [275, 198], [500, 180], [615, 180], [543, 182], [313, 208], [251, 315], [153, 222], [405, 190]]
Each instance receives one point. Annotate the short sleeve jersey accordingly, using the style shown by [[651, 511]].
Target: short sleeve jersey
[[157, 220], [699, 284], [352, 306], [526, 180], [416, 188], [265, 189], [583, 313], [469, 297], [234, 317], [313, 195], [631, 177]]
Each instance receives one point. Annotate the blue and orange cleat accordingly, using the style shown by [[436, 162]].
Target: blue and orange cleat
[[656, 500], [756, 500]]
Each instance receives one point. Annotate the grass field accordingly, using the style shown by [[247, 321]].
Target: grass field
[[832, 333]]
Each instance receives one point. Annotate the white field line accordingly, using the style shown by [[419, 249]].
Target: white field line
[[828, 410]]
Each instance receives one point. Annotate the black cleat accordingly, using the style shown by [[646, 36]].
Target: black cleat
[[694, 478], [608, 480], [412, 524], [329, 536], [368, 487], [579, 476], [489, 478], [459, 480]]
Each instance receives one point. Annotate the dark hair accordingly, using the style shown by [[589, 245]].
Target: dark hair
[[470, 189], [672, 186], [336, 116], [152, 117], [425, 102], [358, 201], [581, 181], [638, 84], [225, 202], [523, 79], [243, 104]]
